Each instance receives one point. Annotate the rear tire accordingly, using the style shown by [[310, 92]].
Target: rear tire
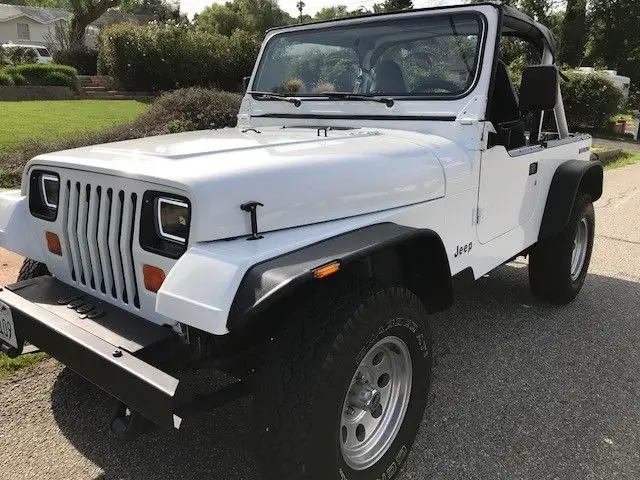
[[558, 265], [307, 423], [32, 269]]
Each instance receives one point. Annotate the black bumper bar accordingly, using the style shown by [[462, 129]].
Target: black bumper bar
[[116, 350]]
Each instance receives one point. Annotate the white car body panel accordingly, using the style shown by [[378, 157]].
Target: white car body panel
[[421, 164], [342, 175]]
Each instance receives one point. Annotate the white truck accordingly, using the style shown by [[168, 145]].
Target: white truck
[[375, 159]]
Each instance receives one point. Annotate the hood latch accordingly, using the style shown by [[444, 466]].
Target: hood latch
[[251, 207]]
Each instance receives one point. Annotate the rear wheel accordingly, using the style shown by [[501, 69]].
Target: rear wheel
[[558, 265], [32, 269], [345, 386]]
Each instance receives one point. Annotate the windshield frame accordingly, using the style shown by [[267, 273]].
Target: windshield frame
[[342, 23]]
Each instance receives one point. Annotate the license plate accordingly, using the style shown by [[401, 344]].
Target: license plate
[[7, 328]]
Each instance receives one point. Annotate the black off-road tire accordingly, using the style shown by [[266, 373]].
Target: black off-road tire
[[32, 269], [550, 276], [309, 368]]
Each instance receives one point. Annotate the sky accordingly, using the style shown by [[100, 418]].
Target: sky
[[312, 6]]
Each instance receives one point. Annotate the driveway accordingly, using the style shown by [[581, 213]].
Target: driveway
[[520, 390]]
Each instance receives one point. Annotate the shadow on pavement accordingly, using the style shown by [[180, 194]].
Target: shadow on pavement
[[521, 389]]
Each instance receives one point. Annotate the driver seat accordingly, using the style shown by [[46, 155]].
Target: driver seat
[[389, 78], [504, 109]]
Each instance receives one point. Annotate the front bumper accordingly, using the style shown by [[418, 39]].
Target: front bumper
[[116, 350]]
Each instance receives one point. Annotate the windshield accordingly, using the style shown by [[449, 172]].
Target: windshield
[[43, 52], [434, 56]]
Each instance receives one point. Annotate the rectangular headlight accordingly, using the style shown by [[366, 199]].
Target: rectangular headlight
[[44, 194], [50, 190], [173, 219]]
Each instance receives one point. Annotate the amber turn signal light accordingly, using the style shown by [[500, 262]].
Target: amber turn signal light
[[326, 270], [53, 243], [153, 277]]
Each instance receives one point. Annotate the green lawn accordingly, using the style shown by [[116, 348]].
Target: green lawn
[[627, 158], [56, 119], [10, 365]]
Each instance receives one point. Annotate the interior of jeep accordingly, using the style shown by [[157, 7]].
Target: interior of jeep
[[518, 121]]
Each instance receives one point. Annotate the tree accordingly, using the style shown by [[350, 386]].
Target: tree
[[85, 12], [161, 10], [39, 3], [254, 16], [328, 13], [614, 38], [573, 32], [392, 6], [220, 18]]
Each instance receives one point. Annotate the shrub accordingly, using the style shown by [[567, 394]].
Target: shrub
[[6, 79], [590, 100], [44, 74], [57, 79], [20, 55], [161, 57], [18, 79], [84, 61], [190, 109], [181, 110]]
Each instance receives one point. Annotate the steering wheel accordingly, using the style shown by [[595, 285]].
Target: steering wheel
[[431, 85]]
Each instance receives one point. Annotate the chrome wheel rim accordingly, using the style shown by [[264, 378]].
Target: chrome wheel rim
[[579, 254], [375, 403]]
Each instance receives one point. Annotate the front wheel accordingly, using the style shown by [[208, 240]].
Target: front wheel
[[345, 386], [32, 269], [558, 265]]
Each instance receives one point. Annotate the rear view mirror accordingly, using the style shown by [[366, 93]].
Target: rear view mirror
[[539, 88], [245, 84]]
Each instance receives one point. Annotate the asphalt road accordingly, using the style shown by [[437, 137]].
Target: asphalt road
[[521, 389]]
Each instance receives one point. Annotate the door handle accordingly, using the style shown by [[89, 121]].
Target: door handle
[[533, 168]]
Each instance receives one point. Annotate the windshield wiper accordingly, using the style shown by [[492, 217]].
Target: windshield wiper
[[388, 101], [274, 96]]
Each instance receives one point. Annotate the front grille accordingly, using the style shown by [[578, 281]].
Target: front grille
[[98, 223]]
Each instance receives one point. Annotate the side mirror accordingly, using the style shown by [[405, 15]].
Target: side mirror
[[539, 88], [245, 84]]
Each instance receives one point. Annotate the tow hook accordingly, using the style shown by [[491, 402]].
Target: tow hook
[[127, 424]]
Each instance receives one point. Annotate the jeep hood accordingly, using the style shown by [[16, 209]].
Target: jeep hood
[[300, 175]]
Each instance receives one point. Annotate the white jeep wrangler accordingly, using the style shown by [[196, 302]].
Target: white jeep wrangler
[[375, 159]]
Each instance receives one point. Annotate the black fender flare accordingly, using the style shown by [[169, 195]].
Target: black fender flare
[[267, 282], [570, 178]]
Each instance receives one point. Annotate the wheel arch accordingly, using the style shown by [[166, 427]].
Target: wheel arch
[[385, 251], [570, 179]]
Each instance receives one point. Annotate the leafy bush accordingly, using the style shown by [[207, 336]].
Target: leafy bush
[[57, 79], [161, 57], [84, 61], [590, 100], [20, 55], [178, 111], [43, 74], [6, 79]]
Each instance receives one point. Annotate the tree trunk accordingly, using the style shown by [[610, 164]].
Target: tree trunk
[[83, 17], [573, 33]]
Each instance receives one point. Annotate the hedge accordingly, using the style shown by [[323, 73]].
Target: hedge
[[590, 100], [84, 61], [160, 57], [41, 74], [178, 111]]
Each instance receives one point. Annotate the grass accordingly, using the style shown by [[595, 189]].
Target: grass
[[10, 365], [58, 119], [626, 158]]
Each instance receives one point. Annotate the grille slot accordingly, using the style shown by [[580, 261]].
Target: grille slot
[[100, 223]]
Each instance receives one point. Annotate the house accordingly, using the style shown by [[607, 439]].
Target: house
[[37, 26], [29, 25]]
